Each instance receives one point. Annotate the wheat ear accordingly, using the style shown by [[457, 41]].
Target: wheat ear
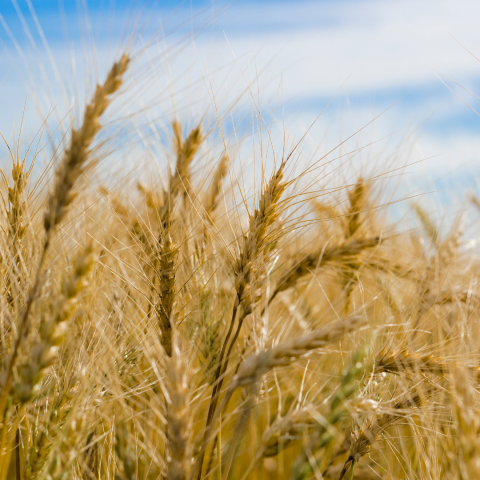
[[179, 418], [185, 151], [52, 331], [77, 156], [357, 197], [125, 453], [427, 224], [17, 223], [401, 361], [339, 409], [167, 263], [467, 424], [42, 446], [17, 203], [279, 434], [211, 201], [253, 245], [326, 256], [255, 366]]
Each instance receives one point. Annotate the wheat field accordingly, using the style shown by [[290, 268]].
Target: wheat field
[[199, 327]]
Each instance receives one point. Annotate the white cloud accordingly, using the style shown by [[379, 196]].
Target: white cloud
[[385, 49], [383, 45]]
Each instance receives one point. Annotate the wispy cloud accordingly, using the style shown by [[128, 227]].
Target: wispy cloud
[[379, 51]]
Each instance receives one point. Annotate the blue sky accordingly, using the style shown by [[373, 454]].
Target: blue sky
[[369, 54]]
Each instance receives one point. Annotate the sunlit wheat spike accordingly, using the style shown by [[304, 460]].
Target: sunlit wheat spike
[[179, 418], [357, 197], [77, 155], [277, 436], [251, 247], [165, 306], [427, 223], [185, 153], [54, 328], [405, 361], [283, 430], [330, 255], [212, 198], [255, 240], [16, 213]]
